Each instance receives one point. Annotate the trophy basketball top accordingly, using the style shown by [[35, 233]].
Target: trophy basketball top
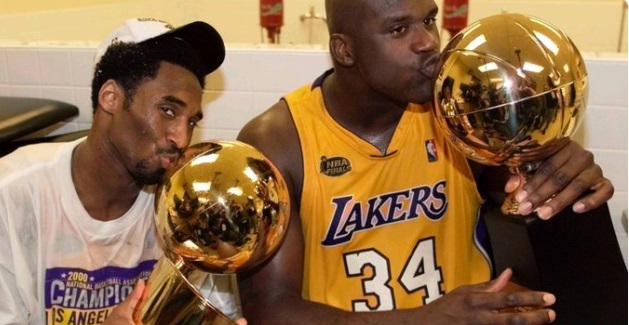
[[509, 89], [223, 208]]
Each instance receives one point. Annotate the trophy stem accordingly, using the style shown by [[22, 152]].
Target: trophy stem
[[170, 299]]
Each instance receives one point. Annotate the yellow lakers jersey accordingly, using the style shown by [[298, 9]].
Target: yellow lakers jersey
[[384, 232]]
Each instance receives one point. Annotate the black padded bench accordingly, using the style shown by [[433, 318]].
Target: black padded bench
[[20, 116]]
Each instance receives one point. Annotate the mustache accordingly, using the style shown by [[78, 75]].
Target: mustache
[[170, 150]]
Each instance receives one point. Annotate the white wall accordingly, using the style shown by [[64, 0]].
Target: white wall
[[594, 25], [236, 20], [251, 79]]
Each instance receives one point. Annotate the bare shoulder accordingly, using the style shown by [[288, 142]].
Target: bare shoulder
[[273, 132], [266, 124]]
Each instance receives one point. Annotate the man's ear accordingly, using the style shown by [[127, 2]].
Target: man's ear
[[341, 49], [110, 96]]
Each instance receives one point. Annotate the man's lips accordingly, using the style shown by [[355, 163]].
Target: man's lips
[[428, 69], [168, 161]]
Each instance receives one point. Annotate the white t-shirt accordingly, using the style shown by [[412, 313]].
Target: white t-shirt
[[57, 264]]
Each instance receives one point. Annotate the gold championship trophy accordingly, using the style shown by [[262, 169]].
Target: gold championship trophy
[[223, 208], [510, 90]]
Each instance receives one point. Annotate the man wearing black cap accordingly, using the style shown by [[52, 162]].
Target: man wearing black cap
[[76, 218]]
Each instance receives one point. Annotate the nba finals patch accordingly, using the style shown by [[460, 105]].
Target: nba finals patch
[[431, 150], [334, 166]]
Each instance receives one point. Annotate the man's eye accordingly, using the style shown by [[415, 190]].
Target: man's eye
[[430, 21], [168, 111], [193, 124], [398, 30]]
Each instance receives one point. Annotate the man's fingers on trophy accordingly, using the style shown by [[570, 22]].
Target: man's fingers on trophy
[[124, 312], [137, 294], [557, 171], [561, 200], [241, 321], [540, 187], [605, 186], [603, 190], [559, 182], [512, 183]]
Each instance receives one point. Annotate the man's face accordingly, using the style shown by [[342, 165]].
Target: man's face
[[150, 135], [396, 44]]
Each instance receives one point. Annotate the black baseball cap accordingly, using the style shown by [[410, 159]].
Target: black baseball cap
[[199, 35]]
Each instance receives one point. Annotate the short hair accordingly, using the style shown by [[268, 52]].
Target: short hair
[[130, 64]]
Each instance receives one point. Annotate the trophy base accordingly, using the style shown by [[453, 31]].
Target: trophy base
[[575, 256]]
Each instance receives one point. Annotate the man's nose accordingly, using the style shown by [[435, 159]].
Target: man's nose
[[180, 135], [425, 40]]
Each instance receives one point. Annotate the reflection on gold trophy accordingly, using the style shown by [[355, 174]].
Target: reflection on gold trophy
[[510, 90], [223, 208]]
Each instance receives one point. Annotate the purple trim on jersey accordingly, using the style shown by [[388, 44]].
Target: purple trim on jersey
[[319, 81], [482, 241]]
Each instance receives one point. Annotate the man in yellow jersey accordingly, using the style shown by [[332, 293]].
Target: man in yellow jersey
[[384, 211]]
